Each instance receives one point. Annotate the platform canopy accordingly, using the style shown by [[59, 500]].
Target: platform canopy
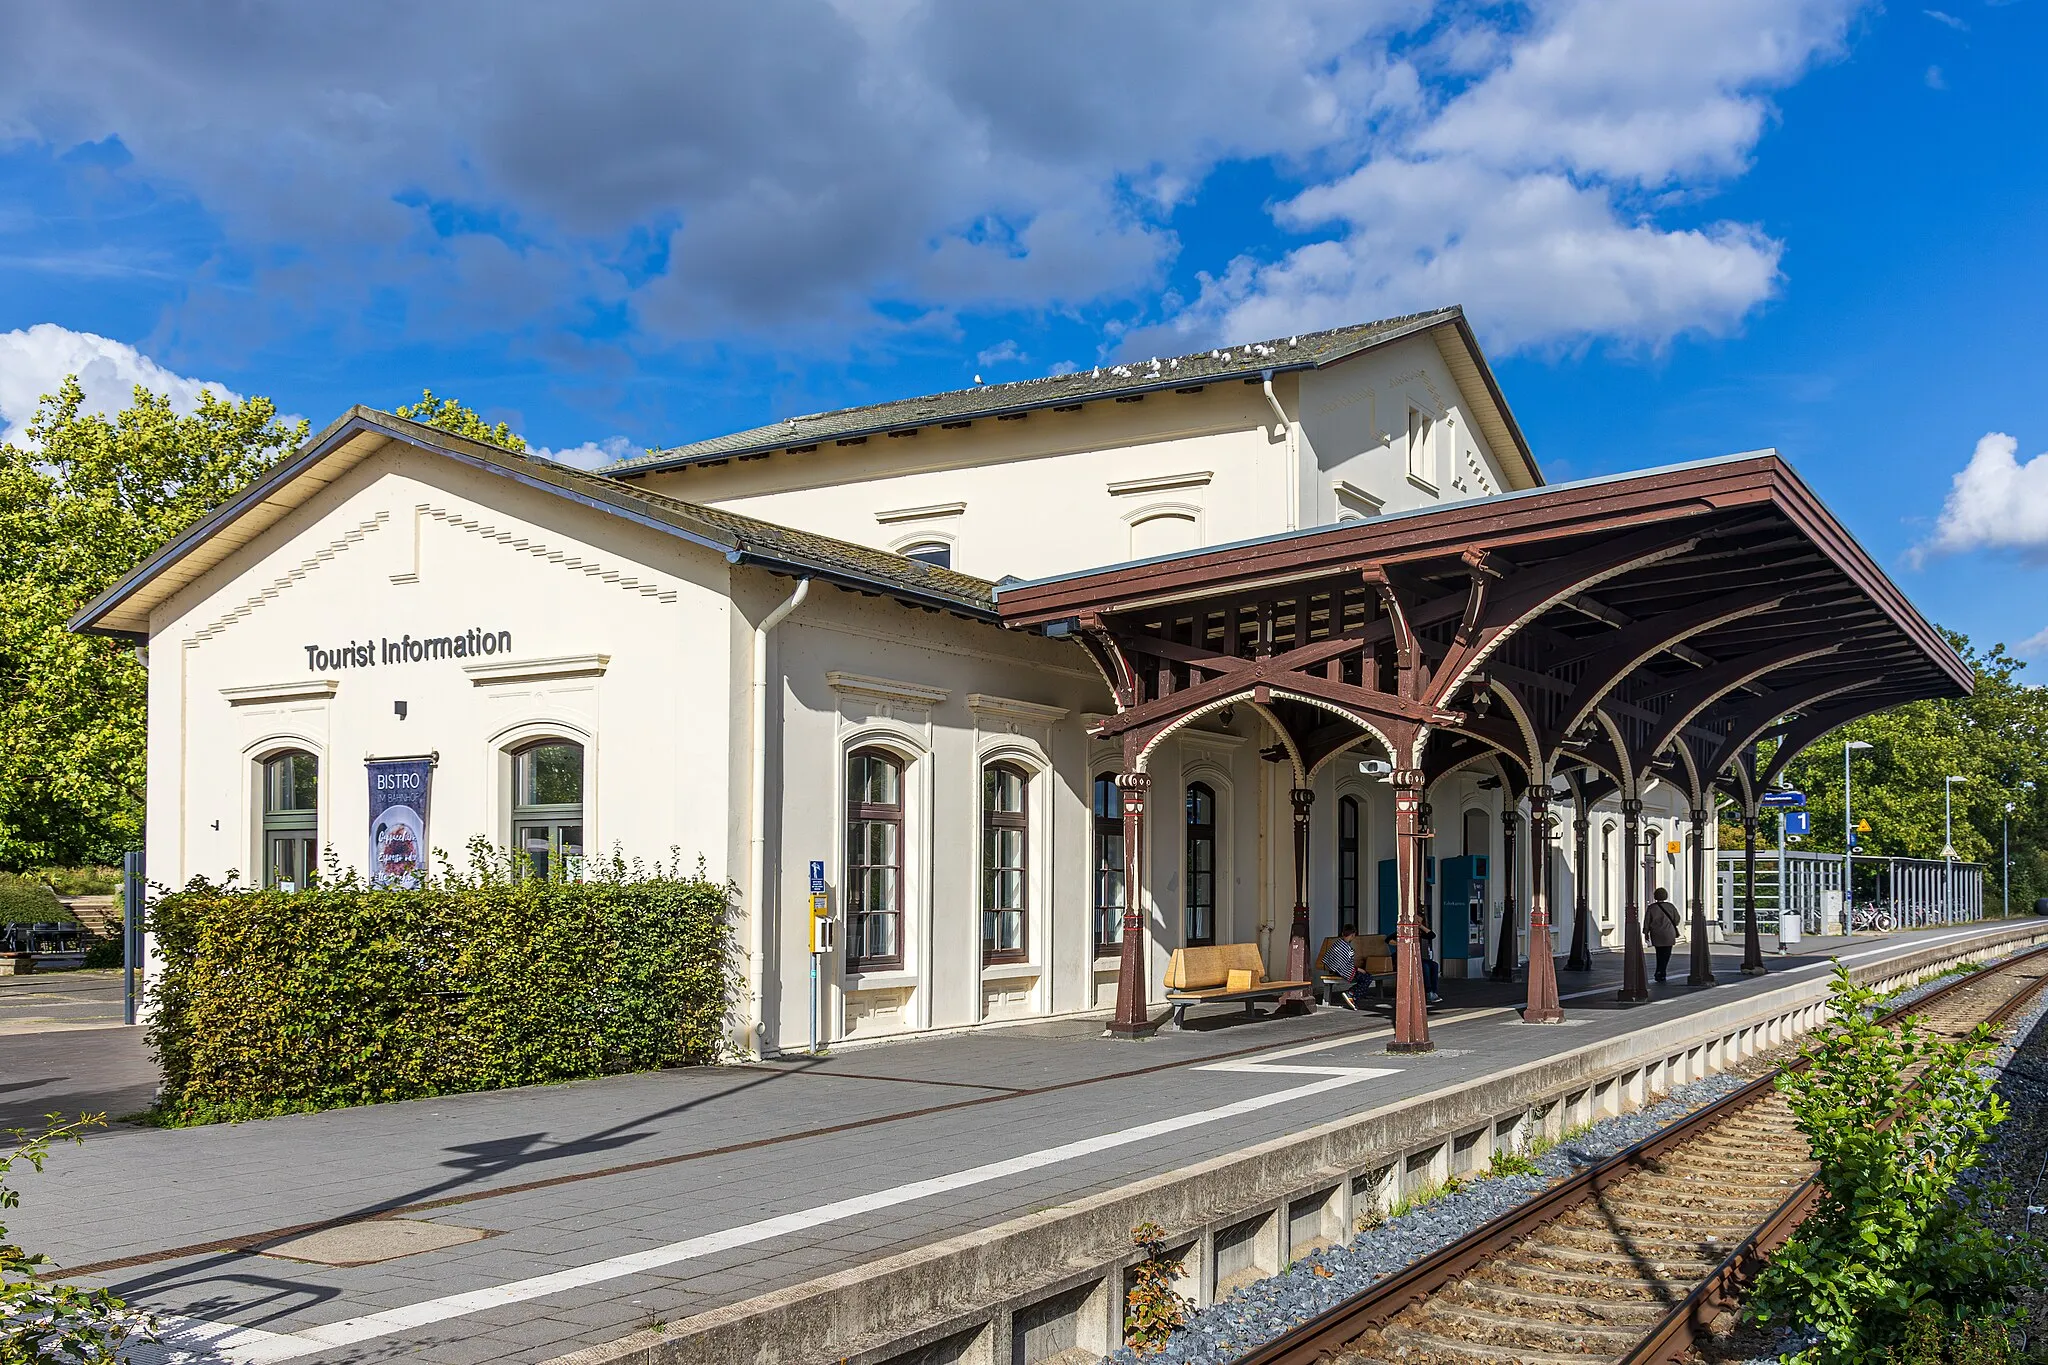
[[1600, 633]]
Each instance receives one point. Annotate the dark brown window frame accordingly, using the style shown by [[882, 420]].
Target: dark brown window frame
[[992, 820], [1199, 834], [1347, 873], [1106, 827], [295, 825], [864, 813]]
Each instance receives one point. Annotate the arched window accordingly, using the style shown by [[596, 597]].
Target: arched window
[[874, 861], [1607, 893], [936, 553], [1347, 865], [291, 818], [1201, 880], [1476, 832], [1109, 865], [547, 807], [1005, 830]]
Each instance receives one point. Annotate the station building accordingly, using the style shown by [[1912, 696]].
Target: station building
[[783, 647]]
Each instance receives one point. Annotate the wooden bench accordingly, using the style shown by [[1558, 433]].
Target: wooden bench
[[1375, 958], [1200, 976]]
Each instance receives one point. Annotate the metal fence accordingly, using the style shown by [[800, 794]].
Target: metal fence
[[1899, 893]]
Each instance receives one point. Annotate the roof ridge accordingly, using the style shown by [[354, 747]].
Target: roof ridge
[[1302, 350]]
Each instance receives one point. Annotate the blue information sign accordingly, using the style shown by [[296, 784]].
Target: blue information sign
[[1798, 822], [1774, 799], [817, 878]]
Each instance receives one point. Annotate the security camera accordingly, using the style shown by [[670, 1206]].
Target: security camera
[[1375, 767]]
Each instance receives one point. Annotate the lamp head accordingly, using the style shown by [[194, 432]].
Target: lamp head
[[1857, 744]]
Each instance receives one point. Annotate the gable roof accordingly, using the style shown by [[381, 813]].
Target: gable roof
[[123, 610], [1304, 351]]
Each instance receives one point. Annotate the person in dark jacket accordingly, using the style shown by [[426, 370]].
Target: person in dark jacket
[[1342, 962], [1660, 922]]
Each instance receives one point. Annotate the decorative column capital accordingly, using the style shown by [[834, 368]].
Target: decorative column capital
[[1412, 779], [1632, 808], [1581, 825], [1302, 798], [1508, 816], [1699, 817]]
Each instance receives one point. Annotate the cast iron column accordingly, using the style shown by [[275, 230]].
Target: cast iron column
[[1752, 943], [1581, 959], [1411, 1017], [1635, 981], [1503, 968], [1542, 1007], [1301, 1001], [1702, 973], [1132, 1019]]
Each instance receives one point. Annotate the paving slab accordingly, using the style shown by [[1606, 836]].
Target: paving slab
[[685, 1190]]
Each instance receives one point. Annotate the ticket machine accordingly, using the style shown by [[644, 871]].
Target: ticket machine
[[1461, 912]]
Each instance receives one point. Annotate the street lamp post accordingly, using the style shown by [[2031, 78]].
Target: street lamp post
[[2005, 879], [1848, 839], [1948, 849]]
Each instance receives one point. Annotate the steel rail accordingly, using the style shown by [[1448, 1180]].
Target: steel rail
[[1328, 1333]]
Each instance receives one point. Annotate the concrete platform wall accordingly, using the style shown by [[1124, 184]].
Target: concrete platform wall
[[1048, 1289]]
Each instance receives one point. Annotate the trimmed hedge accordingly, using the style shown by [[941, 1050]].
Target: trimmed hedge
[[270, 1003], [25, 901]]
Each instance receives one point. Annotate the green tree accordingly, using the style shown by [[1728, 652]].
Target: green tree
[[1996, 740], [82, 501], [44, 1321], [450, 415]]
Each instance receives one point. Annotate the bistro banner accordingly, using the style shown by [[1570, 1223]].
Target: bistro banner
[[398, 819]]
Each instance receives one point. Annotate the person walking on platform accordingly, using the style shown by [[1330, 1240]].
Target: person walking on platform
[[1661, 924]]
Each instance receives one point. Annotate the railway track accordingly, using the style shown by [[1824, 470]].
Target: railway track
[[1631, 1259]]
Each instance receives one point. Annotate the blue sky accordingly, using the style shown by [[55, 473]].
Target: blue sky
[[1681, 228]]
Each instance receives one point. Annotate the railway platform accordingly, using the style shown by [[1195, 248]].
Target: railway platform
[[531, 1224]]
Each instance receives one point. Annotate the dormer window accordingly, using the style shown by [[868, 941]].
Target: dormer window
[[936, 553]]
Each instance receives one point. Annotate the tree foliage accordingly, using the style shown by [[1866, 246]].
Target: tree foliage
[[450, 415], [47, 1322], [82, 500], [1996, 739]]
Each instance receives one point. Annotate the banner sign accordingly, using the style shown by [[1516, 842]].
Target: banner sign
[[398, 819]]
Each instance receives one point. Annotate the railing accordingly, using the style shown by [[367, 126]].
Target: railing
[[1897, 893]]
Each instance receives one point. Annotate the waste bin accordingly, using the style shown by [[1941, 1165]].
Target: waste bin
[[1789, 927]]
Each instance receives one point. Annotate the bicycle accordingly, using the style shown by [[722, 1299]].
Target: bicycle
[[1872, 918]]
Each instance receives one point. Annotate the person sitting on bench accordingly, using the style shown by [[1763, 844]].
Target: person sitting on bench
[[1430, 970], [1342, 962]]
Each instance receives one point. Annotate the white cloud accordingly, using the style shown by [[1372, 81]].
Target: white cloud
[[1994, 503], [35, 361], [2034, 646], [1002, 353], [593, 454], [823, 170], [1530, 194], [1935, 80], [1951, 20]]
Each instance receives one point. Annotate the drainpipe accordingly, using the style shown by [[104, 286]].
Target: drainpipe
[[1286, 430], [757, 885]]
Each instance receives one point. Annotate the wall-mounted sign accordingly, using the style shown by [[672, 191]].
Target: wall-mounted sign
[[398, 819], [406, 649], [1781, 799]]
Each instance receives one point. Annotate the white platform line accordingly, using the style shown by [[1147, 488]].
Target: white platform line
[[194, 1340]]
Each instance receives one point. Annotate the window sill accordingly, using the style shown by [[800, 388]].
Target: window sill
[[1425, 485], [889, 979], [1109, 962], [1005, 971]]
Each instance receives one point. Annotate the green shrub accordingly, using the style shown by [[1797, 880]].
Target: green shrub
[[105, 953], [42, 1319], [270, 1003], [80, 881], [1896, 1117], [26, 901]]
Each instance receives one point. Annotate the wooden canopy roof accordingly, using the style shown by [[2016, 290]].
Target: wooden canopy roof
[[1618, 628]]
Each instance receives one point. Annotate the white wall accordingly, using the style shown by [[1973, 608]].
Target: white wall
[[406, 544]]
